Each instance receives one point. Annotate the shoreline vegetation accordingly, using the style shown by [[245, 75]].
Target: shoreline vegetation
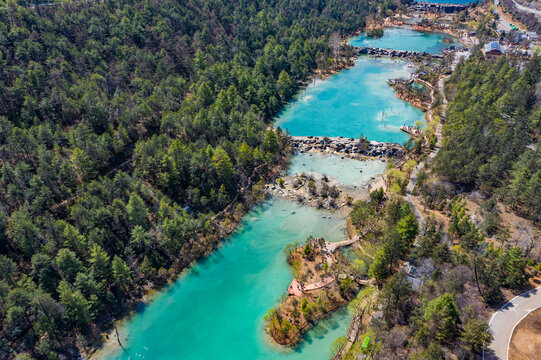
[[148, 157], [325, 279], [374, 32], [417, 97], [318, 292], [231, 219]]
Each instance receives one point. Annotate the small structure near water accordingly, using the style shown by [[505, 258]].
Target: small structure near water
[[410, 130]]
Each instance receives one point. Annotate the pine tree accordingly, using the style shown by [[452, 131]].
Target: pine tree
[[121, 271], [99, 260], [137, 211]]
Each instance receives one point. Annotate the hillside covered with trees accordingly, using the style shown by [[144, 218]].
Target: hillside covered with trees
[[125, 127], [492, 132]]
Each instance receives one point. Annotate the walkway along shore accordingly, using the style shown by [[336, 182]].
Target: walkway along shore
[[421, 165]]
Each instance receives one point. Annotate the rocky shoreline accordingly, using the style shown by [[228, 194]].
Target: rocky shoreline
[[403, 54], [349, 147]]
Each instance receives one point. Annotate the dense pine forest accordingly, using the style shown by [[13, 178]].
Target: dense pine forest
[[126, 128], [492, 132]]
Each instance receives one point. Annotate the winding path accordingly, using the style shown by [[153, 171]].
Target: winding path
[[527, 9], [421, 165], [330, 246], [504, 321]]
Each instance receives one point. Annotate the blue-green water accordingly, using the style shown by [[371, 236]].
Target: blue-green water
[[215, 311], [406, 39], [349, 172], [353, 102], [462, 2]]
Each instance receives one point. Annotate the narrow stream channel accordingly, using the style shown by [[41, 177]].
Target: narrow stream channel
[[216, 309]]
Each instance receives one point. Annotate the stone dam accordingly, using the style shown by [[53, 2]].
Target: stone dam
[[346, 146]]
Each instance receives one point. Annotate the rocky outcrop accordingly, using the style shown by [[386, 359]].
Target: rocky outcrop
[[405, 54], [346, 146]]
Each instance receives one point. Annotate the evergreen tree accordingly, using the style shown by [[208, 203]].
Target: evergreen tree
[[68, 264], [101, 266], [137, 211], [121, 271]]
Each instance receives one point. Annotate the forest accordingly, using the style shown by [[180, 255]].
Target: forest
[[126, 129], [492, 131]]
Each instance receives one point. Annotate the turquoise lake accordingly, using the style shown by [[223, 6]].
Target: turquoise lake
[[215, 309], [406, 39], [353, 102]]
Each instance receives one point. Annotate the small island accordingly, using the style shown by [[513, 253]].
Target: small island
[[325, 280], [375, 32]]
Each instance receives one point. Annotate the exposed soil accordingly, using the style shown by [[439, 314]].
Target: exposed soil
[[300, 312], [526, 339], [440, 217]]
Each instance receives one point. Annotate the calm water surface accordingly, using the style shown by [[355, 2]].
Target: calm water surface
[[216, 309], [353, 102], [350, 172], [406, 39]]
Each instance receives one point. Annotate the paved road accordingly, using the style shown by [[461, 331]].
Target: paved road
[[504, 320], [502, 24], [527, 9]]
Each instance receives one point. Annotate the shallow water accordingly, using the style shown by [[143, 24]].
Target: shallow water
[[449, 1], [353, 102], [350, 172], [215, 311], [406, 39]]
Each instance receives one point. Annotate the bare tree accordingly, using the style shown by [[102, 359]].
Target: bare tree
[[525, 239], [334, 43]]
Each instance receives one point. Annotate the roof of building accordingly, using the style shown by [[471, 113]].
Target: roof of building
[[493, 45]]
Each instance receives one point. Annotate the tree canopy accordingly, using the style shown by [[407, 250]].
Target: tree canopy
[[125, 128]]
